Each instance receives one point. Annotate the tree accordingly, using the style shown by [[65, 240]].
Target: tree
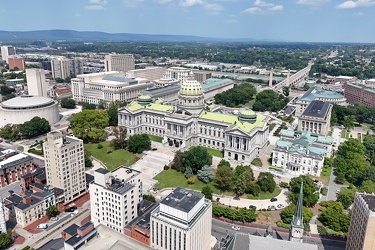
[[268, 100], [138, 143], [89, 124], [239, 184], [306, 87], [346, 197], [266, 182], [10, 132], [68, 103], [86, 105], [59, 80], [149, 197], [207, 191], [120, 140], [349, 121], [253, 188], [6, 239], [177, 161], [224, 176], [288, 212], [36, 126], [188, 172], [333, 216], [205, 174], [52, 211], [113, 112], [239, 94], [286, 90], [310, 191], [196, 157], [367, 186], [88, 162]]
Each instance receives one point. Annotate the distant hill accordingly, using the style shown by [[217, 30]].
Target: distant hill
[[103, 36]]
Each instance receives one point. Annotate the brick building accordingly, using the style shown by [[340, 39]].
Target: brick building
[[360, 93]]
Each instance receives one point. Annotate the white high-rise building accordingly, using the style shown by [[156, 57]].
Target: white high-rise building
[[119, 62], [65, 164], [182, 221], [115, 197], [150, 73], [3, 226], [60, 67], [6, 51], [178, 73], [36, 82]]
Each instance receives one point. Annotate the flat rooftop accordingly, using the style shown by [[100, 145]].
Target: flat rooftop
[[182, 199], [317, 109], [370, 200]]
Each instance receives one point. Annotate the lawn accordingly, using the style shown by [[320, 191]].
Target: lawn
[[172, 178], [344, 134], [112, 160], [215, 152], [155, 138], [264, 195], [251, 103], [257, 162]]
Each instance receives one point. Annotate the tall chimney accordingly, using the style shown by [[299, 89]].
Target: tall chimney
[[271, 76]]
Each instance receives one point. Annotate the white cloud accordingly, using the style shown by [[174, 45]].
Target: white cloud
[[189, 3], [132, 3], [313, 2], [252, 10], [98, 1], [163, 1], [213, 8], [94, 7], [261, 3], [276, 8], [355, 4]]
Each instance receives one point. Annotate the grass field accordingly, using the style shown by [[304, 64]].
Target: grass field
[[257, 162], [344, 134], [172, 178], [155, 138], [215, 152], [265, 195], [111, 160]]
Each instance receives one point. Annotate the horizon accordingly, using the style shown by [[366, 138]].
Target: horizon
[[318, 21]]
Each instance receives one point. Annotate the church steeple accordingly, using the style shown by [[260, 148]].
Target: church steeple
[[297, 227]]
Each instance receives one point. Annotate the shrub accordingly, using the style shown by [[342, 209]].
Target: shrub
[[166, 167], [100, 146], [109, 150], [279, 223], [284, 184], [191, 180], [149, 197], [324, 191]]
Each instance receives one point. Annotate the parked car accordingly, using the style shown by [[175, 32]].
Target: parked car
[[280, 206], [42, 226], [74, 213], [236, 198], [236, 228], [273, 199], [71, 209], [54, 218], [271, 207], [253, 207]]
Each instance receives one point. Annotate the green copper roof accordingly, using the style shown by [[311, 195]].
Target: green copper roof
[[233, 119], [133, 106], [210, 82], [317, 92]]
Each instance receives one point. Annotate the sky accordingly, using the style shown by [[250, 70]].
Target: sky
[[281, 20]]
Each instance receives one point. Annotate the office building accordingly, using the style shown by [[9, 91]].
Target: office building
[[36, 82], [316, 118], [178, 73], [6, 51], [183, 221], [75, 67], [107, 87], [319, 94], [60, 67], [301, 152], [65, 164], [202, 76], [149, 73], [119, 62], [77, 236], [114, 201], [16, 63], [361, 234], [3, 226], [360, 93], [241, 137]]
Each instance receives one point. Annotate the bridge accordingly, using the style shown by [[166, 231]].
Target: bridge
[[292, 80]]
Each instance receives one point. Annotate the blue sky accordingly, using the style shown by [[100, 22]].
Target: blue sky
[[286, 20]]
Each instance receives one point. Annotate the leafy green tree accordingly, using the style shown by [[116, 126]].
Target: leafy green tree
[[346, 197], [120, 140], [149, 197], [224, 176], [207, 191], [5, 90], [88, 162], [239, 185], [59, 80], [68, 103], [239, 94], [89, 124], [266, 182], [10, 131], [86, 105], [367, 186], [349, 121], [286, 90], [288, 212], [369, 143], [333, 216], [113, 112], [269, 100], [36, 126], [223, 163], [306, 87], [196, 157], [253, 188], [6, 238], [138, 143], [205, 174], [177, 161], [52, 211], [310, 191]]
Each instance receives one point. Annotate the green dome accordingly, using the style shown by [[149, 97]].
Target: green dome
[[247, 115], [144, 100], [191, 87]]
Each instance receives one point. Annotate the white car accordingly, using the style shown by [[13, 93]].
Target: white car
[[236, 228], [280, 206], [42, 226]]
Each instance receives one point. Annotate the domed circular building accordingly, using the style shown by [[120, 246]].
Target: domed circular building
[[191, 97], [247, 115], [23, 108]]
